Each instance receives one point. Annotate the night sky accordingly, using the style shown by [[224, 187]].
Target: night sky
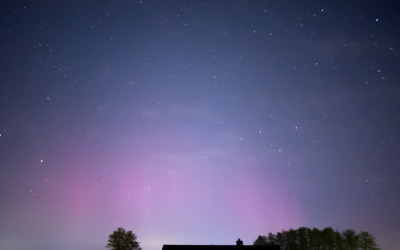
[[197, 122]]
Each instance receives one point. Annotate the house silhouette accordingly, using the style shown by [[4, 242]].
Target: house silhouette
[[239, 246]]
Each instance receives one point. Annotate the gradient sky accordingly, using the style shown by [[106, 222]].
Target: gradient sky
[[197, 122]]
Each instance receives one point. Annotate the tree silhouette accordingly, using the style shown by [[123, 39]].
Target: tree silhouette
[[120, 239], [291, 239], [366, 241], [339, 245], [350, 239], [280, 239], [315, 239], [328, 238], [302, 238], [271, 239], [260, 241]]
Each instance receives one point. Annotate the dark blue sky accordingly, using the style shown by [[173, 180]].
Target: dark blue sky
[[197, 122]]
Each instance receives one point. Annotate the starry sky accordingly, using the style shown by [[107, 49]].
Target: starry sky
[[197, 122]]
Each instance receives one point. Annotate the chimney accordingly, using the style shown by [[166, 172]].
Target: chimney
[[239, 243]]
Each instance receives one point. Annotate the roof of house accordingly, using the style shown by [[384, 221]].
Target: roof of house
[[239, 246], [220, 247]]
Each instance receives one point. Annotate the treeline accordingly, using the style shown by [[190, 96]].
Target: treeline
[[315, 239]]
